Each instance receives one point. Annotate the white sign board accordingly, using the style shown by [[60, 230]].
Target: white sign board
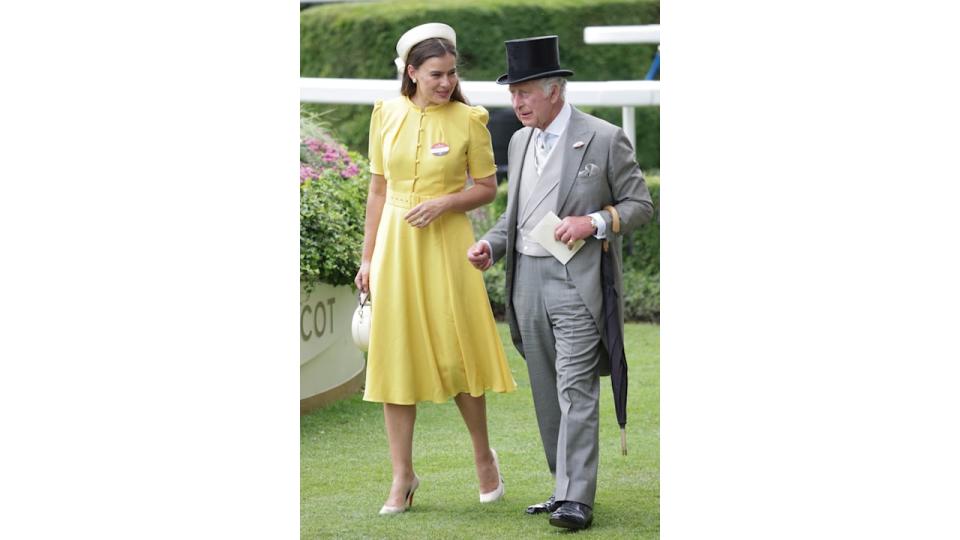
[[328, 357]]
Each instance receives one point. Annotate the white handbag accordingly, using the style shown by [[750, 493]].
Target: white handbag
[[361, 322]]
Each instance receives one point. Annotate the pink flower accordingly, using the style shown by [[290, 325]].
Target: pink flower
[[322, 158], [306, 173], [312, 144], [350, 171], [333, 148]]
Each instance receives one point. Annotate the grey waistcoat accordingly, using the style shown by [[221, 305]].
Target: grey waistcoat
[[538, 194]]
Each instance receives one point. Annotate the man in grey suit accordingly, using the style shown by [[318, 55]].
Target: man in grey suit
[[584, 170]]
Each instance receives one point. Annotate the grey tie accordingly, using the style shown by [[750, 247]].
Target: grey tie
[[544, 144]]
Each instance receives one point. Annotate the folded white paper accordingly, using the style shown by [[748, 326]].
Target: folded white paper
[[543, 234]]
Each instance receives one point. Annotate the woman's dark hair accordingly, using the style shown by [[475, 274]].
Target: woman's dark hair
[[420, 53]]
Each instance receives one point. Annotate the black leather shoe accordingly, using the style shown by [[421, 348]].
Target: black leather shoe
[[550, 505], [572, 515]]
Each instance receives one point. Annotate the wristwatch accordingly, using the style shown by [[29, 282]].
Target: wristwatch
[[593, 221]]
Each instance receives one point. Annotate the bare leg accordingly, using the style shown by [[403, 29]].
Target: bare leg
[[399, 420], [474, 412]]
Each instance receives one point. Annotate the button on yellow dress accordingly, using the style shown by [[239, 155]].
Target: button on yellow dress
[[433, 335]]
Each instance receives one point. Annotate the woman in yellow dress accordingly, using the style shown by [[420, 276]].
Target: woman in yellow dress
[[432, 335]]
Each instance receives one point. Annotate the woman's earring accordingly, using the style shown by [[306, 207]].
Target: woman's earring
[[414, 81]]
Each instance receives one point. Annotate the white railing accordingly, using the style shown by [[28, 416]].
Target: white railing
[[624, 94], [645, 33]]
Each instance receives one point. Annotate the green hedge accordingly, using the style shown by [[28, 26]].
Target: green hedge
[[641, 265], [358, 40], [641, 248], [331, 229]]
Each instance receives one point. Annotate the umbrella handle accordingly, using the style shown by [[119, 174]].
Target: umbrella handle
[[615, 226], [616, 218], [623, 441]]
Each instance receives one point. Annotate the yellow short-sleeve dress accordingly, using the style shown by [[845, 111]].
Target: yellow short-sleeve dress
[[432, 335]]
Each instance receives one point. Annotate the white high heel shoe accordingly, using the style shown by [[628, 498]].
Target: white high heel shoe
[[407, 501], [496, 494]]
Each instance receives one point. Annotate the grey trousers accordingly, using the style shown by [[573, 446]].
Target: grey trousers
[[561, 345]]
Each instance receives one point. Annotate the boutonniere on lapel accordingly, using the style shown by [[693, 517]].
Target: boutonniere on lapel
[[439, 149], [578, 144]]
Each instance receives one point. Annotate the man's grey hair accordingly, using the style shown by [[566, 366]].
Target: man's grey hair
[[549, 82]]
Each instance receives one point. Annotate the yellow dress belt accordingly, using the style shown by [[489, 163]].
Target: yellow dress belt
[[402, 199]]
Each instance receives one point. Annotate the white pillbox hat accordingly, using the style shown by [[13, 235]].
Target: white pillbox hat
[[417, 34]]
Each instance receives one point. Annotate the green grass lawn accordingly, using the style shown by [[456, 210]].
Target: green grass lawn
[[345, 464]]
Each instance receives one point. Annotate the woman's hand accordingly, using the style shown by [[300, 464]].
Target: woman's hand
[[363, 277], [424, 213]]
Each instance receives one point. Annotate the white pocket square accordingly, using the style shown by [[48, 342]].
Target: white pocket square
[[589, 169]]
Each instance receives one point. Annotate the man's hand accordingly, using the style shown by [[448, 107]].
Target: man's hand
[[574, 228], [479, 256]]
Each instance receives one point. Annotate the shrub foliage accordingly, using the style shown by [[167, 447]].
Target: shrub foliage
[[333, 194]]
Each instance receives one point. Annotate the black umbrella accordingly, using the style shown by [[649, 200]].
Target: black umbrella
[[613, 331]]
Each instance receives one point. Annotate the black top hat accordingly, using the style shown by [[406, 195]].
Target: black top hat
[[533, 58]]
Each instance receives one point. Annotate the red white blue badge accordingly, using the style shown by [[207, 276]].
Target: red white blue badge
[[439, 149]]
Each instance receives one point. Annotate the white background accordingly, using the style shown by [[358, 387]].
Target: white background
[[148, 248]]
